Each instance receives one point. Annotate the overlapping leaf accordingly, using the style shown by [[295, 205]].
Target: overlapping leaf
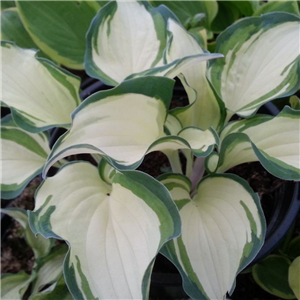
[[13, 30], [127, 122], [23, 157], [275, 142], [204, 110], [261, 62], [114, 231], [186, 10], [272, 6], [59, 27], [124, 38], [39, 245], [223, 229], [271, 274], [40, 94], [14, 286], [128, 40]]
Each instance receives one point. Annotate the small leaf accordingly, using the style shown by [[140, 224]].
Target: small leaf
[[289, 6], [40, 246], [187, 10], [49, 268], [295, 102], [56, 291], [272, 275], [13, 286], [294, 276]]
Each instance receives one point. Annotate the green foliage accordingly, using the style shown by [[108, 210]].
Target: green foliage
[[278, 273], [114, 218]]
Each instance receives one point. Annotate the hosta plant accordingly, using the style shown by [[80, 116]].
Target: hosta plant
[[207, 222]]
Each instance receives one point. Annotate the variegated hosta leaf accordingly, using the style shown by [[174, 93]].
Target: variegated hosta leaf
[[261, 62], [57, 290], [275, 142], [14, 286], [204, 110], [59, 28], [223, 229], [127, 122], [114, 231], [124, 38], [40, 246], [40, 94], [139, 32], [23, 157], [50, 268]]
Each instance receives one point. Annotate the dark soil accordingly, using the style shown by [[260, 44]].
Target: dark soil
[[16, 255]]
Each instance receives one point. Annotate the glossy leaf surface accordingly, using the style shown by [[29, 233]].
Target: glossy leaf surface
[[223, 229], [113, 243], [40, 94], [274, 142], [254, 71], [23, 157]]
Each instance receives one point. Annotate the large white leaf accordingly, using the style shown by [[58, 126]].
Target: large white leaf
[[261, 62], [204, 110], [223, 229], [23, 157], [125, 37], [40, 94], [275, 142], [127, 122], [114, 231]]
